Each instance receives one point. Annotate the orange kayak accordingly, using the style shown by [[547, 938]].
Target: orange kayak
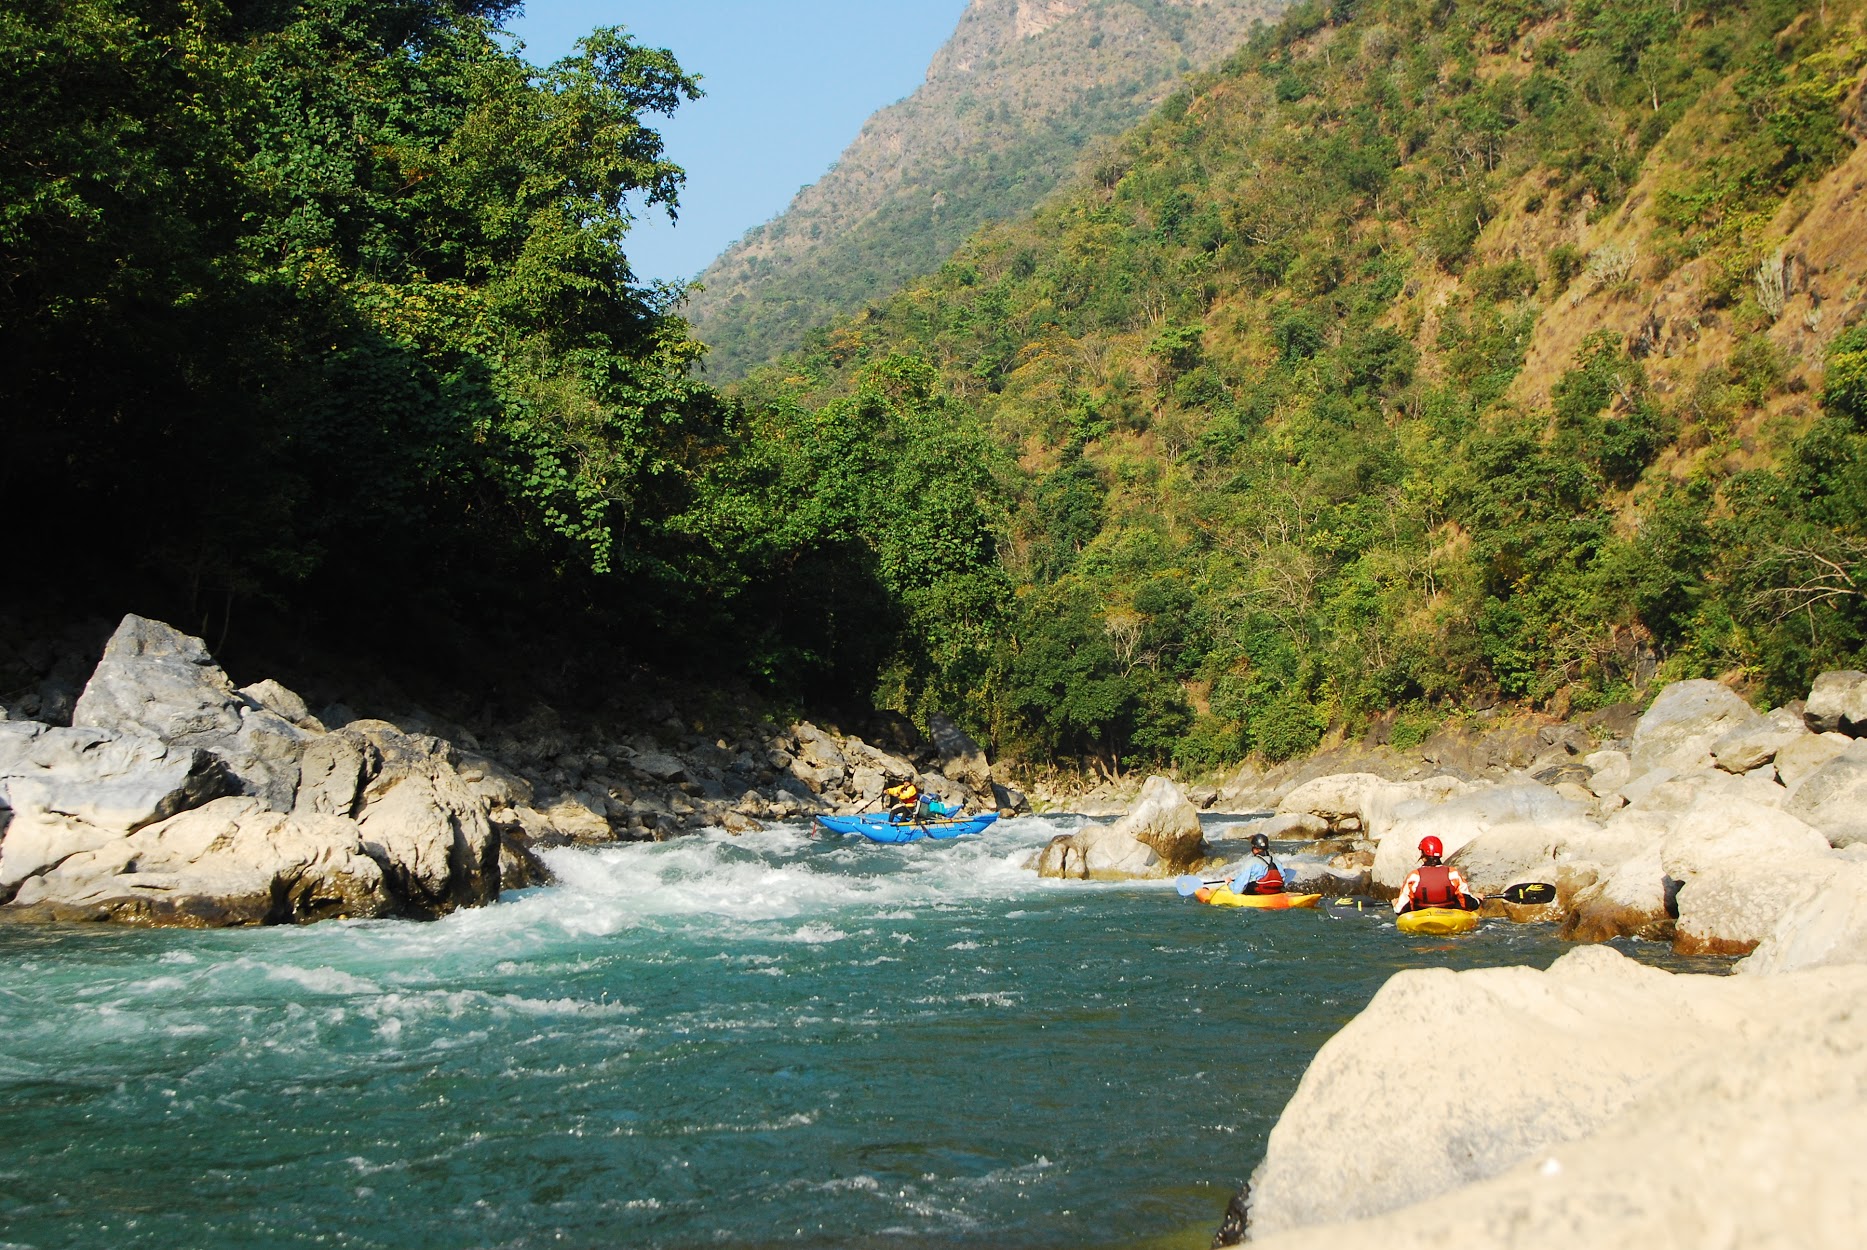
[[1222, 896]]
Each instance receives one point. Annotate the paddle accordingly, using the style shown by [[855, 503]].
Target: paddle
[[1528, 893], [1524, 893]]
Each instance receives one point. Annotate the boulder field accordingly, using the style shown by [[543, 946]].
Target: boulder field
[[174, 798], [1603, 1102], [1709, 824]]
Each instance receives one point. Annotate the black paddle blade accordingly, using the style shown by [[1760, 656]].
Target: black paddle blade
[[1530, 893]]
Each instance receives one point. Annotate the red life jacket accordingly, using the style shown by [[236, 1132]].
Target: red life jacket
[[1435, 888], [1272, 882]]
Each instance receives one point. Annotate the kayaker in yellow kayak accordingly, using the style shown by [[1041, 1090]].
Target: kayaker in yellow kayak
[[1259, 874], [1434, 884]]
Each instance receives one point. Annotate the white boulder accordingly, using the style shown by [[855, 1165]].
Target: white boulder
[[1159, 837], [1666, 790], [1833, 798], [1838, 702], [231, 862], [1333, 797], [115, 780], [1679, 730], [1738, 866], [1825, 928], [1756, 743], [1600, 1103], [1795, 762], [1630, 900], [1496, 835], [156, 681], [1285, 825], [961, 758], [1609, 772], [270, 696]]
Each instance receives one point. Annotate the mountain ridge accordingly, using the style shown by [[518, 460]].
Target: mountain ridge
[[1006, 109]]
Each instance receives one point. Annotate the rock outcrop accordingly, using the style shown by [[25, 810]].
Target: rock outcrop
[[1833, 797], [1684, 723], [156, 681], [160, 732], [1699, 827], [231, 862], [1822, 929], [961, 759], [1159, 837], [1838, 702], [177, 799]]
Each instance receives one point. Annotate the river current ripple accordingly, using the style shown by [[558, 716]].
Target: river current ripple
[[766, 1040]]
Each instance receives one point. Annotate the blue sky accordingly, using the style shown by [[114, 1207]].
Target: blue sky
[[788, 83]]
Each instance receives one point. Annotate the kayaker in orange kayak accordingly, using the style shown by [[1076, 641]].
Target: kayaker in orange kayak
[[1259, 874], [1434, 884]]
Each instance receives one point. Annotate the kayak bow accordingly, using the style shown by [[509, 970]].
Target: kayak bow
[[1222, 896], [1437, 921]]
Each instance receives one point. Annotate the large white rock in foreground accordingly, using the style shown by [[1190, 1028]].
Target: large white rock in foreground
[[1600, 1104]]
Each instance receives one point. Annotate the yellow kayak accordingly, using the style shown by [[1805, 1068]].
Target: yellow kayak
[[1222, 896], [1437, 921]]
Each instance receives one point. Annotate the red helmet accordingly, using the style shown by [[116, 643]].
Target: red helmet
[[1431, 846]]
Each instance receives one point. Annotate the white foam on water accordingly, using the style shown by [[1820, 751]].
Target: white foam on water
[[755, 879], [815, 935], [323, 980], [863, 1183]]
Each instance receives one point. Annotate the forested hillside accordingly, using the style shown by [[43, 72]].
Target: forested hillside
[[318, 335], [1008, 107], [1427, 355]]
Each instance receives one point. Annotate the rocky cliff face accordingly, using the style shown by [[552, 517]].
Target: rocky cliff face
[[1009, 107]]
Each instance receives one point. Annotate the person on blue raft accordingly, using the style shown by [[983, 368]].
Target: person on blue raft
[[909, 804], [1259, 874], [904, 802]]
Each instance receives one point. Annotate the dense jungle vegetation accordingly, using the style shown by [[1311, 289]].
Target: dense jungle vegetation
[[316, 318], [317, 324]]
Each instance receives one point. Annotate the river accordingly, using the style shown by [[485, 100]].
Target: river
[[767, 1040]]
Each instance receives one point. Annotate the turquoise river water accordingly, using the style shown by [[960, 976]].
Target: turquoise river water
[[757, 1041]]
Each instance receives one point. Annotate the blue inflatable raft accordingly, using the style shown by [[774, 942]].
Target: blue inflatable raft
[[881, 829]]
